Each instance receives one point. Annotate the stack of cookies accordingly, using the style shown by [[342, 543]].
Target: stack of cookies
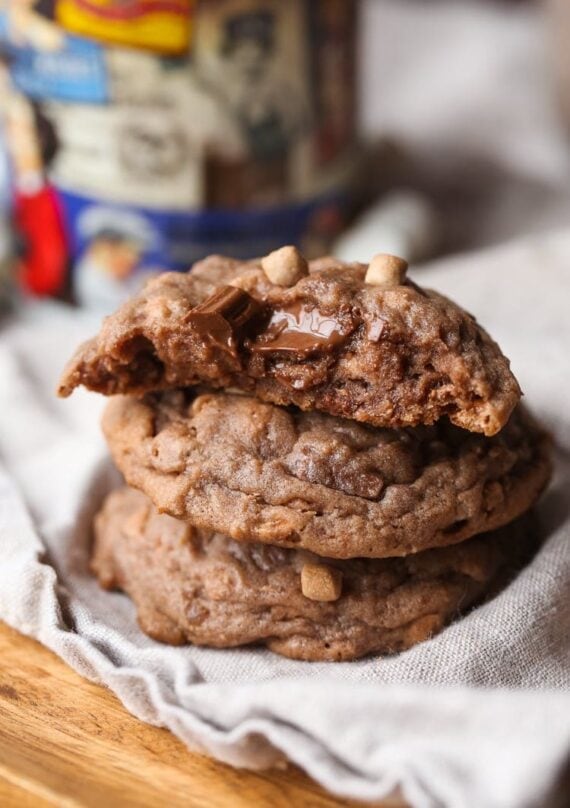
[[324, 458]]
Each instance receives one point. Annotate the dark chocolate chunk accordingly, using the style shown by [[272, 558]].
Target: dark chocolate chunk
[[223, 318]]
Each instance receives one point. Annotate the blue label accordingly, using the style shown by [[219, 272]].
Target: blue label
[[174, 240], [73, 71]]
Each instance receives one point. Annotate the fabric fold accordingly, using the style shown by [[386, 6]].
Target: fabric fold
[[479, 715]]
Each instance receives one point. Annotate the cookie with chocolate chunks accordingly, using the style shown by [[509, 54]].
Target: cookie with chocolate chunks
[[190, 585], [359, 342], [258, 472]]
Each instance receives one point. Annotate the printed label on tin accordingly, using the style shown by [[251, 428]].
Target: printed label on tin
[[122, 153], [116, 247], [162, 26], [47, 63], [138, 161], [254, 60]]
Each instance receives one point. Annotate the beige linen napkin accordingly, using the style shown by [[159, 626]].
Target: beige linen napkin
[[478, 716]]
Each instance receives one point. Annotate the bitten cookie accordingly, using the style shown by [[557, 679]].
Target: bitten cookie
[[258, 472], [361, 342], [196, 586]]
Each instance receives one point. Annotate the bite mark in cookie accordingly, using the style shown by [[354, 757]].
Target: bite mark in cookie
[[359, 342]]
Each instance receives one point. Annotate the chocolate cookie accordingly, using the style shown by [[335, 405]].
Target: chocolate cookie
[[196, 586], [349, 340], [258, 472]]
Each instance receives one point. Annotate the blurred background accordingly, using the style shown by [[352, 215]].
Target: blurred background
[[138, 137]]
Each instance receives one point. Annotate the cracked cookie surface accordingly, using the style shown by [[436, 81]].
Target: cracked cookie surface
[[390, 357], [201, 587], [258, 472]]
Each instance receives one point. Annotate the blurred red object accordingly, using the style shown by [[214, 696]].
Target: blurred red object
[[44, 261]]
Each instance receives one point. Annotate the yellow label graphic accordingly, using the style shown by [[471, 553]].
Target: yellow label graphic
[[163, 26]]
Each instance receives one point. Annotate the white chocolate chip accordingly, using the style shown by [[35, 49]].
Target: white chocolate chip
[[320, 582], [285, 266], [386, 271]]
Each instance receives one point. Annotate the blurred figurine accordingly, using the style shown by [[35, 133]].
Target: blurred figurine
[[31, 144]]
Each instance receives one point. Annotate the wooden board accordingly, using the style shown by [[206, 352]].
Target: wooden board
[[66, 742]]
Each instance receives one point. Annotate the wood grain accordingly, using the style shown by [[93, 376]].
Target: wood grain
[[69, 743]]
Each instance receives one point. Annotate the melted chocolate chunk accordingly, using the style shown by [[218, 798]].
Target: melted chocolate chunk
[[301, 330], [224, 317]]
